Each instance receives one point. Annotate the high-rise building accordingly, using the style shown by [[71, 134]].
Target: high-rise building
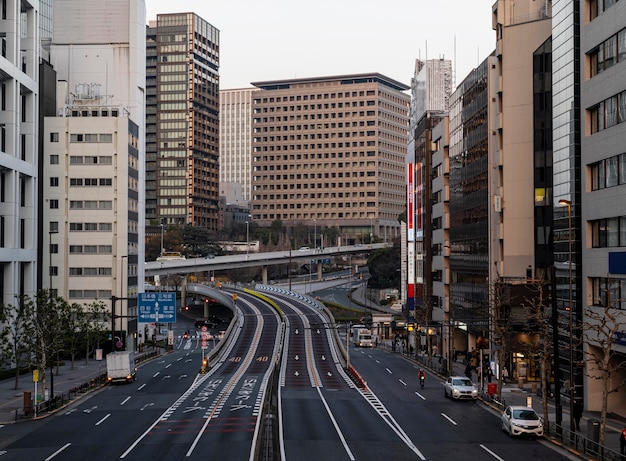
[[93, 157], [19, 79], [236, 141], [182, 145], [330, 151], [602, 189]]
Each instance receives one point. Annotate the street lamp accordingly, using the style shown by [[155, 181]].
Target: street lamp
[[247, 236], [161, 236], [572, 426]]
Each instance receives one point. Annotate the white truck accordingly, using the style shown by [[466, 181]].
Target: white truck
[[121, 367], [363, 338]]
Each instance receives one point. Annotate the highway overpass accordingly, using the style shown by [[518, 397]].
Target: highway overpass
[[220, 263]]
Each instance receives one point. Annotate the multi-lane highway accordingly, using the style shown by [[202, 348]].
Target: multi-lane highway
[[277, 390]]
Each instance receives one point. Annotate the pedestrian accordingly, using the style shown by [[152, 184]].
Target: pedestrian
[[578, 413], [622, 441], [468, 371], [505, 374], [489, 374]]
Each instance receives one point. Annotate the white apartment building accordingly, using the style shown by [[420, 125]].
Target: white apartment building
[[19, 80], [94, 156]]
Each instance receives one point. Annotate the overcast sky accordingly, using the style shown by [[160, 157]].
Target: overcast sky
[[282, 39]]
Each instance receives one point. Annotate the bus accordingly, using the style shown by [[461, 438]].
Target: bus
[[170, 256]]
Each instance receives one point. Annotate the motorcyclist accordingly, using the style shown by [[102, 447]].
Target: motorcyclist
[[421, 375]]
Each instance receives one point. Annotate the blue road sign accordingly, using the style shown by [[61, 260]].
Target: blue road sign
[[157, 307]]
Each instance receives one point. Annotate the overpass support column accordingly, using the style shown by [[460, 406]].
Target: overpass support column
[[264, 275], [319, 270]]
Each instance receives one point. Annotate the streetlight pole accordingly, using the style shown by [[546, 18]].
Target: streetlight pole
[[572, 425], [247, 236], [315, 234], [161, 237]]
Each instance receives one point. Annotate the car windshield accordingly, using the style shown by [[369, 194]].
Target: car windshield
[[461, 382], [528, 415]]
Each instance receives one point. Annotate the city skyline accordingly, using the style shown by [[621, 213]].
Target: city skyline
[[273, 43]]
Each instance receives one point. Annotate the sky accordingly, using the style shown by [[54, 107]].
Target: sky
[[263, 40]]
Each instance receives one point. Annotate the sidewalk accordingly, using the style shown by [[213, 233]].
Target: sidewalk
[[69, 385]]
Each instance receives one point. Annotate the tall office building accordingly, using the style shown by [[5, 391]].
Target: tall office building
[[330, 151], [236, 140], [603, 184], [93, 156], [182, 144], [19, 77], [431, 87]]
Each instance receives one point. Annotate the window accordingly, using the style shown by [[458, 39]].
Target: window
[[54, 204], [54, 160], [54, 137], [54, 182]]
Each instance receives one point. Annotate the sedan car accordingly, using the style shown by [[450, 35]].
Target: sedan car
[[519, 420], [459, 388]]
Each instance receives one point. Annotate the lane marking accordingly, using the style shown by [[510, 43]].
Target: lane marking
[[141, 387], [125, 400], [58, 451], [449, 419], [402, 382], [103, 419], [420, 395], [490, 452], [389, 371]]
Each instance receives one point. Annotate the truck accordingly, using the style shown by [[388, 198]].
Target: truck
[[121, 367], [363, 338]]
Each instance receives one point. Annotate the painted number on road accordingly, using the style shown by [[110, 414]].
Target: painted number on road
[[264, 358], [235, 359]]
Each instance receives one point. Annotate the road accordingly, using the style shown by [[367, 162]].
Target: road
[[172, 412]]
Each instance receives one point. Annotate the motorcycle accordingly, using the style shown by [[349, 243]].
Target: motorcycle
[[422, 380]]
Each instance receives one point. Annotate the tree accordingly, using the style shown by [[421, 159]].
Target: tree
[[95, 319], [16, 328], [600, 330]]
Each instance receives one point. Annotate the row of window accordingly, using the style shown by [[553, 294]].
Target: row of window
[[608, 292], [91, 205], [85, 137], [90, 271], [312, 97], [91, 160], [608, 232], [91, 227], [597, 7], [90, 294], [608, 113], [91, 249], [608, 172], [608, 53]]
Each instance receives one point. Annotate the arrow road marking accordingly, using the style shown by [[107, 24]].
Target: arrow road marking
[[146, 406]]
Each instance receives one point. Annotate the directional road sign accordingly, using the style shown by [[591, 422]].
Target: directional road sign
[[157, 307]]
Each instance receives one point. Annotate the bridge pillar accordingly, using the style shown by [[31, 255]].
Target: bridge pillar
[[319, 270], [264, 275]]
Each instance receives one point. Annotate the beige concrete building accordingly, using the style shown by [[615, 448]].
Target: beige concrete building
[[330, 152]]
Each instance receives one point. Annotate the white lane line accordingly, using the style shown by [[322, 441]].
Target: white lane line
[[337, 429], [420, 395], [389, 371], [125, 400], [58, 451], [103, 419], [490, 452], [156, 374], [402, 382], [168, 365], [141, 387], [449, 419]]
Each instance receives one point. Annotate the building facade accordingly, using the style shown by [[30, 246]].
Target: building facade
[[182, 145], [94, 157], [19, 77], [236, 140], [603, 186], [331, 151]]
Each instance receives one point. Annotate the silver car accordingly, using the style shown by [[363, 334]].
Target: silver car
[[519, 420], [460, 387]]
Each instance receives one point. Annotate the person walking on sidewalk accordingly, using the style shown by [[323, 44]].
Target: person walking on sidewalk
[[578, 413]]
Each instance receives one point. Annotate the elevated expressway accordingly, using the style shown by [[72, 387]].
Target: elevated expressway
[[190, 266]]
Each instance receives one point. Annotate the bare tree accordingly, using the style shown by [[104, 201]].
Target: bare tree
[[600, 329]]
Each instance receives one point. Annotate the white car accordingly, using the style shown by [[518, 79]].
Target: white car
[[519, 420], [459, 388]]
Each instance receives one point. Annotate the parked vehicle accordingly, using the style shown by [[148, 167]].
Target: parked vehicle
[[519, 420], [460, 388], [121, 367]]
